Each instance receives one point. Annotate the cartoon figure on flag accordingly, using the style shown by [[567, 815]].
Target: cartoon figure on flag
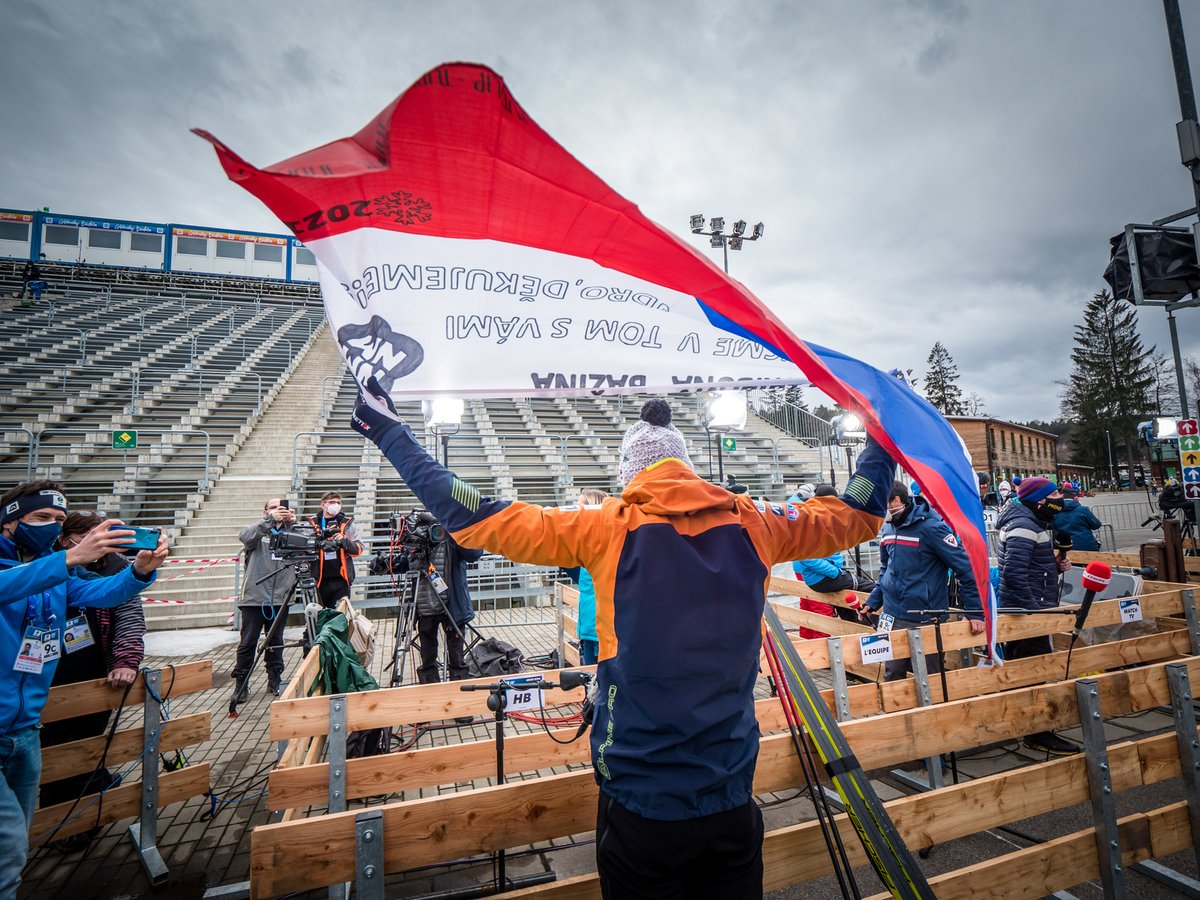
[[463, 251]]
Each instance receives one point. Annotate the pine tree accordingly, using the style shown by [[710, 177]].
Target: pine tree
[[941, 388], [1111, 385]]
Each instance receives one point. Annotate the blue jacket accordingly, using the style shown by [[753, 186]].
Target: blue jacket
[[1079, 522], [817, 570], [37, 593], [680, 568], [913, 563], [586, 628], [1028, 571]]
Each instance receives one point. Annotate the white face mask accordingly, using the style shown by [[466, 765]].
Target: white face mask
[[887, 516], [332, 509]]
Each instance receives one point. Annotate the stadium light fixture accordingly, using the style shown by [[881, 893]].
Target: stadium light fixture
[[443, 417], [848, 429], [1166, 429], [443, 413], [719, 240], [726, 411]]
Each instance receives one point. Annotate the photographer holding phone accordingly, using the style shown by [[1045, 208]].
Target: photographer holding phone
[[268, 588], [36, 588], [98, 643]]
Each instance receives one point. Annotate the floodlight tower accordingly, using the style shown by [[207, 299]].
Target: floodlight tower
[[719, 239]]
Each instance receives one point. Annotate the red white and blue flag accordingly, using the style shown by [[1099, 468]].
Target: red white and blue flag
[[463, 251]]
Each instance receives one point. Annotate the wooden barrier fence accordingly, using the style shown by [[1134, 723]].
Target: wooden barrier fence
[[155, 735], [884, 723]]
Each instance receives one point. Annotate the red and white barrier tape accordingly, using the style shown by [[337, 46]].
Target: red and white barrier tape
[[176, 562]]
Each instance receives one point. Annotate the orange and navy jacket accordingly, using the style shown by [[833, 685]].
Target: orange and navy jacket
[[680, 568], [344, 527]]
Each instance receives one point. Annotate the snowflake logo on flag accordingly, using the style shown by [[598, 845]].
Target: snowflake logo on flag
[[404, 207]]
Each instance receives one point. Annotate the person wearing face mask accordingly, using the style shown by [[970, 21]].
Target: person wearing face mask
[[335, 571], [36, 589], [917, 556], [1029, 573]]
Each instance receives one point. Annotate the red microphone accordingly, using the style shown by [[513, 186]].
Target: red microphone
[[853, 601], [1096, 577]]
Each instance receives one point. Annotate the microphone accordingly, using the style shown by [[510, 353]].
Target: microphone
[[1096, 577], [1062, 544], [569, 679]]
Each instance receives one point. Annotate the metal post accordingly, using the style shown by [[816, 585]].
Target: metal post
[[562, 638], [1189, 747], [1193, 619], [1108, 844], [144, 832], [837, 667], [916, 652], [337, 771], [368, 855]]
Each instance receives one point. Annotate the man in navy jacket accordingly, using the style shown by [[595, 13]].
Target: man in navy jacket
[[1029, 575], [35, 589], [1078, 521], [917, 553]]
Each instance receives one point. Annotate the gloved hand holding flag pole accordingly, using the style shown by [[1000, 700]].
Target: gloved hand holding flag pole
[[463, 251]]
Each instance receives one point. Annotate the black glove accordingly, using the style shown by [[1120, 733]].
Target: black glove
[[374, 412]]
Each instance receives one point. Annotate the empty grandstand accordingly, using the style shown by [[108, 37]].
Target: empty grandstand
[[185, 400]]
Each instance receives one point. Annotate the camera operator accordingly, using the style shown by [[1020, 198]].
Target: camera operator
[[36, 588], [680, 568], [340, 546], [263, 600], [441, 594]]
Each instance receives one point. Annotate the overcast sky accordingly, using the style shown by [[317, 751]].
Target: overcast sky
[[927, 170]]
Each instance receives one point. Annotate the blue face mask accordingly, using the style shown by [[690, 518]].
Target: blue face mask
[[36, 538]]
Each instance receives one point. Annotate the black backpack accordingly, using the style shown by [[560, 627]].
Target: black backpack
[[491, 657]]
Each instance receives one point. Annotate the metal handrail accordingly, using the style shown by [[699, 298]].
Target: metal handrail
[[202, 483]]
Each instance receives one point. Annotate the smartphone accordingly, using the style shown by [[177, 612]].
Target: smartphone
[[285, 503], [143, 538]]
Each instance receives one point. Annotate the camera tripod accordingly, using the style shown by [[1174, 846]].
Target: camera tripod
[[306, 590], [406, 628]]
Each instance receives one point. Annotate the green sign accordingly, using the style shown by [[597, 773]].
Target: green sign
[[728, 444], [124, 440], [1189, 442]]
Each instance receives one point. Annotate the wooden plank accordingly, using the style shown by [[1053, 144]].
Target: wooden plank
[[66, 701], [434, 829], [795, 588], [299, 686], [806, 618], [122, 802], [406, 705], [82, 756], [420, 831], [1060, 863], [976, 681], [570, 596]]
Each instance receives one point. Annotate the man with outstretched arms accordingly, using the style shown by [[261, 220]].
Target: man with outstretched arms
[[35, 589], [680, 568]]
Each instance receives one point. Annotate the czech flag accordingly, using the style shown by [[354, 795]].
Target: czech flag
[[461, 250]]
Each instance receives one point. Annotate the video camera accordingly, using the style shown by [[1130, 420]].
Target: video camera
[[1172, 498], [300, 543], [413, 539]]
